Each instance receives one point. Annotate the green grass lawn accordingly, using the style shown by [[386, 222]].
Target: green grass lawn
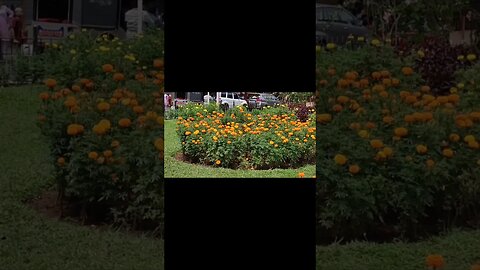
[[179, 169], [30, 241], [460, 250], [27, 239]]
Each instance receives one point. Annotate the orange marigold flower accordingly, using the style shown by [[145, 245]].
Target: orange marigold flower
[[70, 102], [421, 149], [355, 126], [435, 261], [107, 153], [74, 129], [158, 63], [76, 88], [340, 159], [376, 143], [343, 99], [93, 155], [475, 267], [401, 132], [159, 144], [50, 83], [124, 122], [118, 77], [473, 144], [301, 174], [447, 152], [407, 71], [388, 120], [138, 109], [107, 68], [370, 125], [61, 161], [115, 144], [103, 106], [324, 118], [354, 169], [44, 96], [430, 163], [454, 137], [388, 151]]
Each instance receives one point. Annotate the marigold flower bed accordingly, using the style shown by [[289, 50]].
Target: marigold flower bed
[[106, 135], [251, 140], [395, 159]]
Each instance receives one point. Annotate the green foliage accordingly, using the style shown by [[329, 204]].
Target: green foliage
[[106, 134], [397, 194], [238, 138]]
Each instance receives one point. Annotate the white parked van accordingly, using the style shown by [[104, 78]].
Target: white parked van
[[229, 100]]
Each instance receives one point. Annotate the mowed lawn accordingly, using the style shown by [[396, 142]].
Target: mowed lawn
[[460, 249], [178, 169], [29, 240]]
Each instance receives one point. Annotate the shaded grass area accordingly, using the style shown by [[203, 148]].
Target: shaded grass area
[[178, 169], [27, 239], [460, 250]]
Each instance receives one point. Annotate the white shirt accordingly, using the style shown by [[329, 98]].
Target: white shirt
[[131, 18]]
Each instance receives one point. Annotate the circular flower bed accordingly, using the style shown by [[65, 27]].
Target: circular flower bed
[[261, 139]]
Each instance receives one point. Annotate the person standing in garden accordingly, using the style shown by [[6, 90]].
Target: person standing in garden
[[166, 101], [18, 29], [131, 19], [6, 15]]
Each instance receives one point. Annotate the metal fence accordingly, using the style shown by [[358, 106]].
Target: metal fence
[[10, 52]]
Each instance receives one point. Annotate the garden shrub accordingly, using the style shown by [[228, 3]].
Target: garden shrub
[[437, 62], [241, 139], [395, 160], [82, 54], [106, 136]]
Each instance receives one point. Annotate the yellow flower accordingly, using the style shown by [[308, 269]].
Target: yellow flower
[[388, 151], [218, 162], [188, 133], [330, 46], [471, 57], [447, 152], [376, 42], [272, 142], [103, 106], [363, 133], [340, 159], [469, 138], [421, 149]]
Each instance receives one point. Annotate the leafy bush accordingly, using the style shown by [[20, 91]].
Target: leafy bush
[[405, 163], [107, 138], [75, 56], [239, 139]]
